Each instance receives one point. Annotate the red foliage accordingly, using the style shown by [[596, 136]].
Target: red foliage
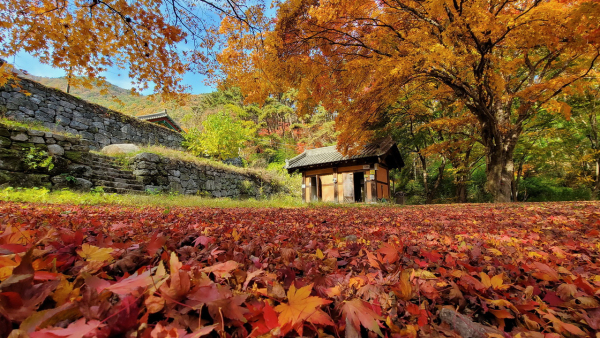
[[84, 271]]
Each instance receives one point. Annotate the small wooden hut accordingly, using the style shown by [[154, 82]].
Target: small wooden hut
[[329, 176]]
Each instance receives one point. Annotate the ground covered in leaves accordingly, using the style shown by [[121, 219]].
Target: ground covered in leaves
[[522, 270]]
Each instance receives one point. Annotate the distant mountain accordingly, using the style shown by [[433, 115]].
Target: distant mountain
[[130, 104]]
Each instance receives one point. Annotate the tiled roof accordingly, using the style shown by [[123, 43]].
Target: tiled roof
[[326, 155], [160, 115], [153, 116]]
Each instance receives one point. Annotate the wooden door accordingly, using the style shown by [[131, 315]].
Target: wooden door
[[348, 182]]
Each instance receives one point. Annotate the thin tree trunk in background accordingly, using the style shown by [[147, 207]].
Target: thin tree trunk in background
[[596, 189], [431, 194], [425, 177], [69, 80]]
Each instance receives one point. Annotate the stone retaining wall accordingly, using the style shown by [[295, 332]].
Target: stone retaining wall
[[62, 112], [68, 157], [159, 173]]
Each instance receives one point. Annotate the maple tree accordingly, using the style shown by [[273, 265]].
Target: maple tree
[[527, 270], [503, 60], [144, 37]]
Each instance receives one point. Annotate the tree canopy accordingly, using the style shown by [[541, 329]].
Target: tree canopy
[[502, 60], [155, 41]]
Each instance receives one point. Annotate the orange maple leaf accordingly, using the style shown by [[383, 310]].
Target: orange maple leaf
[[302, 307]]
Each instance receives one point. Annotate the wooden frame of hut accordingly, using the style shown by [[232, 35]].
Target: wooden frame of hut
[[329, 176]]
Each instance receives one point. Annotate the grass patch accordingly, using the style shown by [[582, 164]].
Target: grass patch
[[43, 195], [27, 125], [33, 125]]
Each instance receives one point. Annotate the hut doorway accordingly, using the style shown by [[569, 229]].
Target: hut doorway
[[314, 189], [359, 187]]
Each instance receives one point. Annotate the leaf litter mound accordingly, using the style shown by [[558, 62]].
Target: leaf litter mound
[[527, 270]]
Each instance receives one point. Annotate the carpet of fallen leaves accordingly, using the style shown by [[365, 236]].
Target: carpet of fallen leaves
[[527, 270]]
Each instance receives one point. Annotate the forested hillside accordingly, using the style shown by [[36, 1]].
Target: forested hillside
[[121, 99]]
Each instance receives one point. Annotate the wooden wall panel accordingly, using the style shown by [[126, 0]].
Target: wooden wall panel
[[382, 174], [326, 179], [307, 189], [340, 186], [351, 168], [327, 193], [319, 172], [383, 190]]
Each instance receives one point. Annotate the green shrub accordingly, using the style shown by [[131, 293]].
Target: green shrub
[[37, 158]]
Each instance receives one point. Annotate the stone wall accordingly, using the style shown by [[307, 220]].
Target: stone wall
[[62, 112], [164, 174], [66, 155]]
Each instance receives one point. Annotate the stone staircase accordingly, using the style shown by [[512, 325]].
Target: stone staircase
[[112, 177]]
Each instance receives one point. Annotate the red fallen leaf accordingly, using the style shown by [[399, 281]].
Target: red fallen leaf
[[429, 290], [421, 264], [470, 280], [155, 244], [132, 283], [270, 316], [592, 317], [123, 316], [423, 318], [552, 299], [45, 275], [119, 226], [229, 307], [358, 313], [432, 256], [96, 283], [528, 306], [585, 286], [203, 240], [545, 272], [413, 309], [76, 329], [12, 299]]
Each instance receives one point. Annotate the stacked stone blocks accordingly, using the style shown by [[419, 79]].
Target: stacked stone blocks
[[162, 174], [69, 168], [61, 112]]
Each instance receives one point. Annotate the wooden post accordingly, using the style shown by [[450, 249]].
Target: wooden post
[[335, 185], [303, 187], [388, 183]]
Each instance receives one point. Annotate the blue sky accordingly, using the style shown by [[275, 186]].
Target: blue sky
[[115, 76]]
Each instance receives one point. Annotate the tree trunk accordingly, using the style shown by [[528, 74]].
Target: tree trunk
[[425, 176], [500, 173], [461, 188], [596, 189]]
